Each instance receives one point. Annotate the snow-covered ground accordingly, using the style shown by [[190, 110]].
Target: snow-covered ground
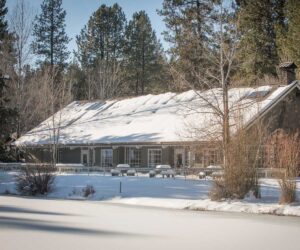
[[175, 193], [47, 224]]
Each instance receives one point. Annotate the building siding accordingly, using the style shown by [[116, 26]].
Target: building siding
[[285, 114], [166, 155], [70, 155], [38, 155], [97, 156], [67, 155], [121, 155], [116, 156]]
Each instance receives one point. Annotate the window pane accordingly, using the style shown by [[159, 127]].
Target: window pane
[[84, 159], [106, 157], [154, 157], [133, 157]]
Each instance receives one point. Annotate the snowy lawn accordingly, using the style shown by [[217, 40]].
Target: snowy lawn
[[158, 192]]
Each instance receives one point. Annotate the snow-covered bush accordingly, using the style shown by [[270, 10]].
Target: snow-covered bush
[[115, 172], [35, 180], [88, 191], [131, 172]]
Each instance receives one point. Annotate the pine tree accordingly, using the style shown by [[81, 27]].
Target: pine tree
[[103, 37], [144, 58], [3, 22], [290, 46], [100, 53], [50, 38], [189, 24], [7, 114], [75, 76], [258, 55]]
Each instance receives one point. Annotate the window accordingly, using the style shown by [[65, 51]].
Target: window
[[85, 157], [154, 157], [95, 106], [199, 157], [258, 94], [133, 157], [106, 158], [207, 157], [211, 157]]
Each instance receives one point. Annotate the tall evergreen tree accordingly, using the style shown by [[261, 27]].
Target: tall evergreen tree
[[189, 24], [75, 76], [3, 40], [7, 114], [3, 22], [144, 57], [50, 38], [258, 54], [289, 38], [103, 37]]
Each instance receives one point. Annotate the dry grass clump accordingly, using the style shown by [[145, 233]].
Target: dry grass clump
[[286, 159], [240, 173], [88, 191], [35, 180]]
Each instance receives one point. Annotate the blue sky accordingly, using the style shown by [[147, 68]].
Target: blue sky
[[79, 11]]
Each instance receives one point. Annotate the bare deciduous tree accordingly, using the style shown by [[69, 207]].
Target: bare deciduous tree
[[216, 79], [103, 80], [220, 123], [44, 100], [21, 26], [59, 96]]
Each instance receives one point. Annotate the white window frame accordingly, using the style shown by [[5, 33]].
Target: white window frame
[[153, 165], [103, 155]]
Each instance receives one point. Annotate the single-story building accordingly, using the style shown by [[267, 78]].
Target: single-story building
[[148, 130]]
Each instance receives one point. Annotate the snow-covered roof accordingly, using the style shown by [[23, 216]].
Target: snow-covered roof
[[159, 118]]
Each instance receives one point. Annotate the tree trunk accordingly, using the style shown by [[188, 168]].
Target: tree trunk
[[143, 66], [137, 84], [226, 132], [52, 36]]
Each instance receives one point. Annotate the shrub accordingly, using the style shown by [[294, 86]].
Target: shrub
[[239, 181], [286, 158], [234, 186], [35, 180], [240, 173], [88, 191], [7, 192], [218, 191], [288, 191]]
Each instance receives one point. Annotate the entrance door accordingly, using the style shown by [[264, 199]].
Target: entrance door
[[179, 157], [85, 157]]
